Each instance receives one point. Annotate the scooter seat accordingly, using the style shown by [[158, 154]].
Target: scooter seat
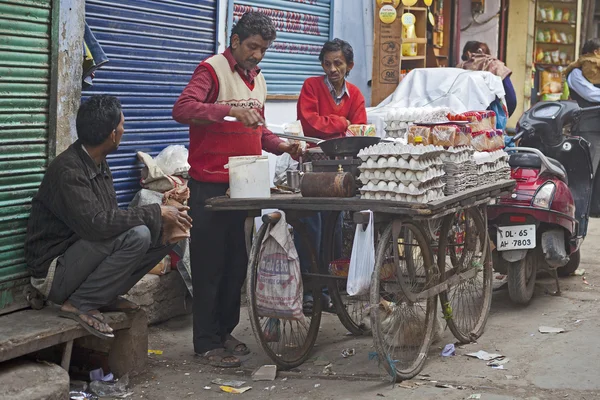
[[530, 160]]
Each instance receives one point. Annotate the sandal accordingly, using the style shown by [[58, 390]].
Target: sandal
[[235, 347], [121, 304], [217, 358], [76, 316]]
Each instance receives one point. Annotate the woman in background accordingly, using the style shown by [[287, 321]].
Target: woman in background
[[477, 57]]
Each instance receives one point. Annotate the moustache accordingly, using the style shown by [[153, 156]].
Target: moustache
[[252, 61]]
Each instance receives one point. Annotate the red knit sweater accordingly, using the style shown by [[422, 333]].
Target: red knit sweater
[[321, 117]]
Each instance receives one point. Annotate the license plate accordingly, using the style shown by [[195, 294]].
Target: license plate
[[517, 237]]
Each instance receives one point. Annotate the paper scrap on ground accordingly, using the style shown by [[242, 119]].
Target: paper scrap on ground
[[475, 396], [348, 353], [484, 355], [157, 352], [549, 329], [229, 389], [224, 382], [579, 272], [265, 373]]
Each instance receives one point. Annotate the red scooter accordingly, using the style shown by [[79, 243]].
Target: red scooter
[[542, 223]]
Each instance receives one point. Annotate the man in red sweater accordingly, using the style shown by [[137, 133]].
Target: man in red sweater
[[326, 107], [228, 84], [329, 104]]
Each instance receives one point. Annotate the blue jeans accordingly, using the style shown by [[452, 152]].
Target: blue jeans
[[314, 229]]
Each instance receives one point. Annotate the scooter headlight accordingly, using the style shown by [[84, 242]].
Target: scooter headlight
[[545, 194]]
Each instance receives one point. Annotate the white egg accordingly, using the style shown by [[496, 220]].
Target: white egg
[[368, 196], [392, 161], [412, 188], [370, 186], [401, 188], [378, 196], [382, 185], [392, 186], [420, 199], [377, 174], [419, 175], [410, 176], [409, 198], [370, 163], [382, 162], [389, 196], [399, 174], [389, 174]]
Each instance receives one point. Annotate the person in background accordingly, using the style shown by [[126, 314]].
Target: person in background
[[227, 84], [84, 252], [327, 106], [581, 87], [477, 57]]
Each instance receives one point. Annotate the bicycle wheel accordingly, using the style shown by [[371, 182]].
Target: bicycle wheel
[[288, 343], [351, 310], [403, 329], [467, 304]]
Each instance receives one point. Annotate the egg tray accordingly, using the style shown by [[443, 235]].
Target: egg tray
[[406, 177], [482, 157], [397, 125], [385, 162], [417, 113], [426, 198], [396, 134], [400, 188], [490, 169], [406, 151]]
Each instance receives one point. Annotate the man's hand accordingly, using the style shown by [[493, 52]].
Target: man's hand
[[175, 218], [293, 149], [248, 116]]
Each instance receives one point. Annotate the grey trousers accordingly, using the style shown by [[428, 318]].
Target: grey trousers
[[93, 274]]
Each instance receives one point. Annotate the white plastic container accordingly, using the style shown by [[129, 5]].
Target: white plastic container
[[249, 177]]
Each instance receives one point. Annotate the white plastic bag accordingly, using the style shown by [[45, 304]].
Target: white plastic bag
[[173, 160], [279, 280], [362, 260]]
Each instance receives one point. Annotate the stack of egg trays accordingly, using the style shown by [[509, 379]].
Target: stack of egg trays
[[460, 168], [400, 172], [491, 167]]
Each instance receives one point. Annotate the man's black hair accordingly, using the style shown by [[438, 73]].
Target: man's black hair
[[98, 116], [255, 23], [590, 46], [338, 45]]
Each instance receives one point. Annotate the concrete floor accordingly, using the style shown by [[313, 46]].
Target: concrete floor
[[549, 366]]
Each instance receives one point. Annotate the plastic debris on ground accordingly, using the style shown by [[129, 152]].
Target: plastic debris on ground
[[265, 373], [498, 362], [484, 355], [409, 385], [111, 389], [223, 382], [328, 370], [474, 396], [317, 385], [449, 350], [81, 395], [157, 352], [549, 329], [229, 389], [499, 281], [98, 375], [348, 353], [579, 272], [207, 388]]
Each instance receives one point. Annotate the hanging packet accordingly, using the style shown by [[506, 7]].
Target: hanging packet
[[362, 260]]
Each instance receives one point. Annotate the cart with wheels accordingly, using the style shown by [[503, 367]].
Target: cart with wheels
[[423, 252]]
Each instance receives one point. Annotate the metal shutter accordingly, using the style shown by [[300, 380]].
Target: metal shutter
[[25, 47], [153, 48], [303, 26]]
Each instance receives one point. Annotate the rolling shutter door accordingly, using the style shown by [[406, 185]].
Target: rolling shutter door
[[25, 47], [303, 26], [153, 48]]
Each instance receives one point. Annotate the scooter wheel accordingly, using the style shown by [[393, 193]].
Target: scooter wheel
[[521, 278], [572, 266]]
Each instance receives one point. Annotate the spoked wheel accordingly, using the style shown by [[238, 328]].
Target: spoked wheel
[[351, 310], [288, 343], [402, 323], [466, 304]]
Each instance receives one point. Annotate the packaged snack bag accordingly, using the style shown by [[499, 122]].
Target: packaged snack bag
[[416, 131]]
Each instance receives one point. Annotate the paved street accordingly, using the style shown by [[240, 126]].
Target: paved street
[[541, 366]]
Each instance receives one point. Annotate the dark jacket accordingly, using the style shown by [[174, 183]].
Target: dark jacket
[[77, 200]]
